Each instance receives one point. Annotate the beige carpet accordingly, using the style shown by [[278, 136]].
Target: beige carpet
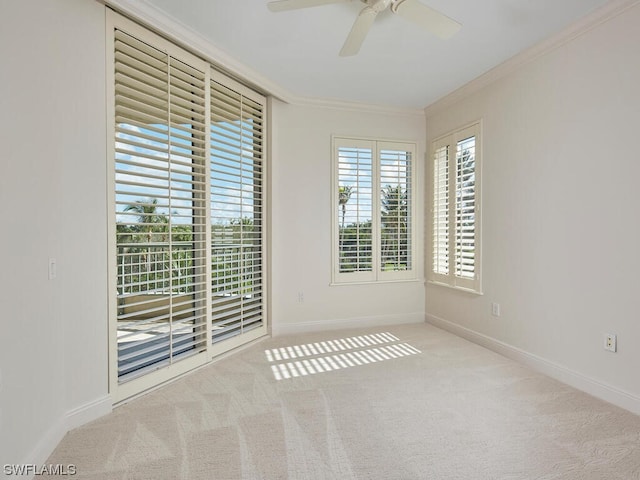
[[402, 402]]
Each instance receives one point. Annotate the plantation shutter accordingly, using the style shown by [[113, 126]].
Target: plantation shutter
[[236, 152], [395, 186], [160, 208], [455, 210], [354, 214], [373, 210], [465, 208], [440, 210]]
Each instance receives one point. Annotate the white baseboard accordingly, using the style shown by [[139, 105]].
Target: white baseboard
[[46, 445], [73, 419], [570, 377], [342, 323], [88, 412]]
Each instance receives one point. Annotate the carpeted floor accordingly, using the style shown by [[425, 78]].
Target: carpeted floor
[[401, 402]]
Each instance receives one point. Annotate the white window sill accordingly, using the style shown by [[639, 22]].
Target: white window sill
[[455, 287], [376, 282]]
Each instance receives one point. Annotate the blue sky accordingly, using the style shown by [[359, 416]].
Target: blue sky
[[141, 158]]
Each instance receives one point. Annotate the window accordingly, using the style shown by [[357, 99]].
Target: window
[[373, 205], [188, 245], [456, 209]]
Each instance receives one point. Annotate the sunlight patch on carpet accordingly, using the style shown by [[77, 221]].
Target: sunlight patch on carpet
[[330, 355]]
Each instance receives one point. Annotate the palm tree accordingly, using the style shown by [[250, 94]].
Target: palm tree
[[344, 195], [394, 211], [393, 204], [148, 265], [148, 216]]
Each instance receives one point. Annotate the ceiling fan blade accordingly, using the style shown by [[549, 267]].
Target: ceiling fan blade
[[282, 5], [427, 18], [358, 32]]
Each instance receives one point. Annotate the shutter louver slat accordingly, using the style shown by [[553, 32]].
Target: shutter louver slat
[[148, 351]]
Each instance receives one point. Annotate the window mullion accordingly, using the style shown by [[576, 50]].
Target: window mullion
[[170, 220], [451, 212], [207, 216], [376, 229]]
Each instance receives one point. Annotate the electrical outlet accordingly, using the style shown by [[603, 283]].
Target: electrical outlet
[[300, 297], [495, 309], [610, 342]]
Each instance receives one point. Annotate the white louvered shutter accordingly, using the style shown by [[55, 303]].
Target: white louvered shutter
[[355, 208], [159, 207], [236, 142], [373, 210], [465, 247], [455, 210], [440, 210], [396, 192]]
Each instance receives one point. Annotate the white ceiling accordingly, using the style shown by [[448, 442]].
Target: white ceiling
[[399, 65]]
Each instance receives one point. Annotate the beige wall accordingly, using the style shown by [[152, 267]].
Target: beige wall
[[301, 222], [561, 226], [53, 350]]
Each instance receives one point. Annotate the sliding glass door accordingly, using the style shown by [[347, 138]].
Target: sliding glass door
[[188, 246], [237, 131]]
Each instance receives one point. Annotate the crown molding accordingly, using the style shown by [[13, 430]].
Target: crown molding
[[155, 19], [611, 9], [335, 104]]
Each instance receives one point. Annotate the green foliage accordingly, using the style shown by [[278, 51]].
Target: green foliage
[[355, 245], [147, 264], [395, 233], [236, 256]]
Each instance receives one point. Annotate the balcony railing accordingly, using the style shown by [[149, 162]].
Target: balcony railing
[[157, 268], [161, 299]]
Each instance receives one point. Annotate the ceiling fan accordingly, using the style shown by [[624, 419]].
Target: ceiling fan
[[414, 11]]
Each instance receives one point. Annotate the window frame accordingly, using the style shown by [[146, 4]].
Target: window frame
[[376, 275], [451, 140]]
